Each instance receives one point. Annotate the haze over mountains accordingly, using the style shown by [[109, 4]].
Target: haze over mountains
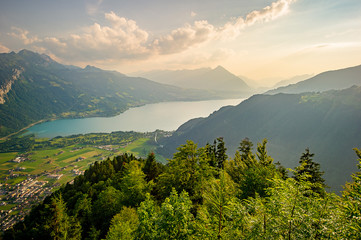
[[217, 79], [336, 79], [33, 87]]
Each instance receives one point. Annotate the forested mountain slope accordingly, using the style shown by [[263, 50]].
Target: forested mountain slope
[[337, 79], [328, 123], [197, 195], [34, 87]]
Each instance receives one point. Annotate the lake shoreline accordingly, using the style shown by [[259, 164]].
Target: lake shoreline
[[167, 116]]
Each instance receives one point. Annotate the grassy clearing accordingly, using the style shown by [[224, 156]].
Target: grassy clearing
[[74, 153], [4, 157], [141, 148]]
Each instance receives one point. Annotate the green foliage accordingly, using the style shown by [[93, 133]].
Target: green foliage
[[215, 212], [249, 199], [175, 220], [147, 212], [188, 170], [287, 213], [329, 124], [310, 171], [18, 144], [123, 225], [252, 175], [352, 207], [133, 186], [151, 168], [60, 225]]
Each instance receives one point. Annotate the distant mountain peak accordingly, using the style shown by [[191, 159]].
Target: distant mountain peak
[[219, 67], [92, 68]]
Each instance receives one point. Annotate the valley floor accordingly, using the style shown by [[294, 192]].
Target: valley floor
[[27, 177]]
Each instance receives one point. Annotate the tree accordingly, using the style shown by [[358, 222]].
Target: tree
[[150, 168], [188, 170], [262, 155], [246, 154], [310, 170], [133, 186], [252, 176], [218, 195], [123, 225], [61, 226], [352, 203], [175, 220], [221, 155], [105, 207], [147, 213]]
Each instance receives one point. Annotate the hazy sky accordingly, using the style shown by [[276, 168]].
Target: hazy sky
[[260, 39]]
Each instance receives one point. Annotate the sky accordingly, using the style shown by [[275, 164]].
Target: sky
[[264, 40]]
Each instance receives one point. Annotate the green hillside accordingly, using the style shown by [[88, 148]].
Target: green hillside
[[199, 194], [34, 87], [328, 123]]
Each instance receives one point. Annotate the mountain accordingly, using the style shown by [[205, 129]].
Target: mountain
[[328, 123], [217, 79], [337, 79], [33, 87], [292, 80]]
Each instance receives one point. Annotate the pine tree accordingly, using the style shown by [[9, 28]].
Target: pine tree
[[61, 226], [150, 168], [221, 155], [310, 171]]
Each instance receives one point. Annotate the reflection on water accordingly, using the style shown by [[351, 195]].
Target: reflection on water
[[165, 116]]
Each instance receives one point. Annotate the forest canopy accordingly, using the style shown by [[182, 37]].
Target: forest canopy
[[202, 193]]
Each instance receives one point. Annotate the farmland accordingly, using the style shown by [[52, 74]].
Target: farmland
[[27, 177]]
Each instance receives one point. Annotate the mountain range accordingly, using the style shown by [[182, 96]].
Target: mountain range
[[336, 79], [34, 87], [218, 80], [328, 123]]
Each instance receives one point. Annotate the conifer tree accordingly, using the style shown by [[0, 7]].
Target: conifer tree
[[150, 168], [61, 226], [310, 170], [352, 199], [221, 155]]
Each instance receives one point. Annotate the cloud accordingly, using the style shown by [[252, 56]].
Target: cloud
[[122, 39], [183, 38], [22, 35], [275, 10], [4, 49], [193, 14]]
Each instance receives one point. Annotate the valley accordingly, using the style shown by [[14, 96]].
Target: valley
[[27, 177]]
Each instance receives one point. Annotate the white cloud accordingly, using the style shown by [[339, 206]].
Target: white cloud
[[275, 10], [193, 14], [123, 39], [183, 38], [4, 49], [22, 35]]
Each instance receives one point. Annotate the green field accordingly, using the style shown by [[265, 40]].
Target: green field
[[142, 147], [62, 160], [4, 157]]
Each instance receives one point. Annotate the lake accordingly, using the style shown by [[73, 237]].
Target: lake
[[166, 116]]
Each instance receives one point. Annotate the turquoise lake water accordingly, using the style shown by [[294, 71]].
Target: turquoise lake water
[[164, 116]]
